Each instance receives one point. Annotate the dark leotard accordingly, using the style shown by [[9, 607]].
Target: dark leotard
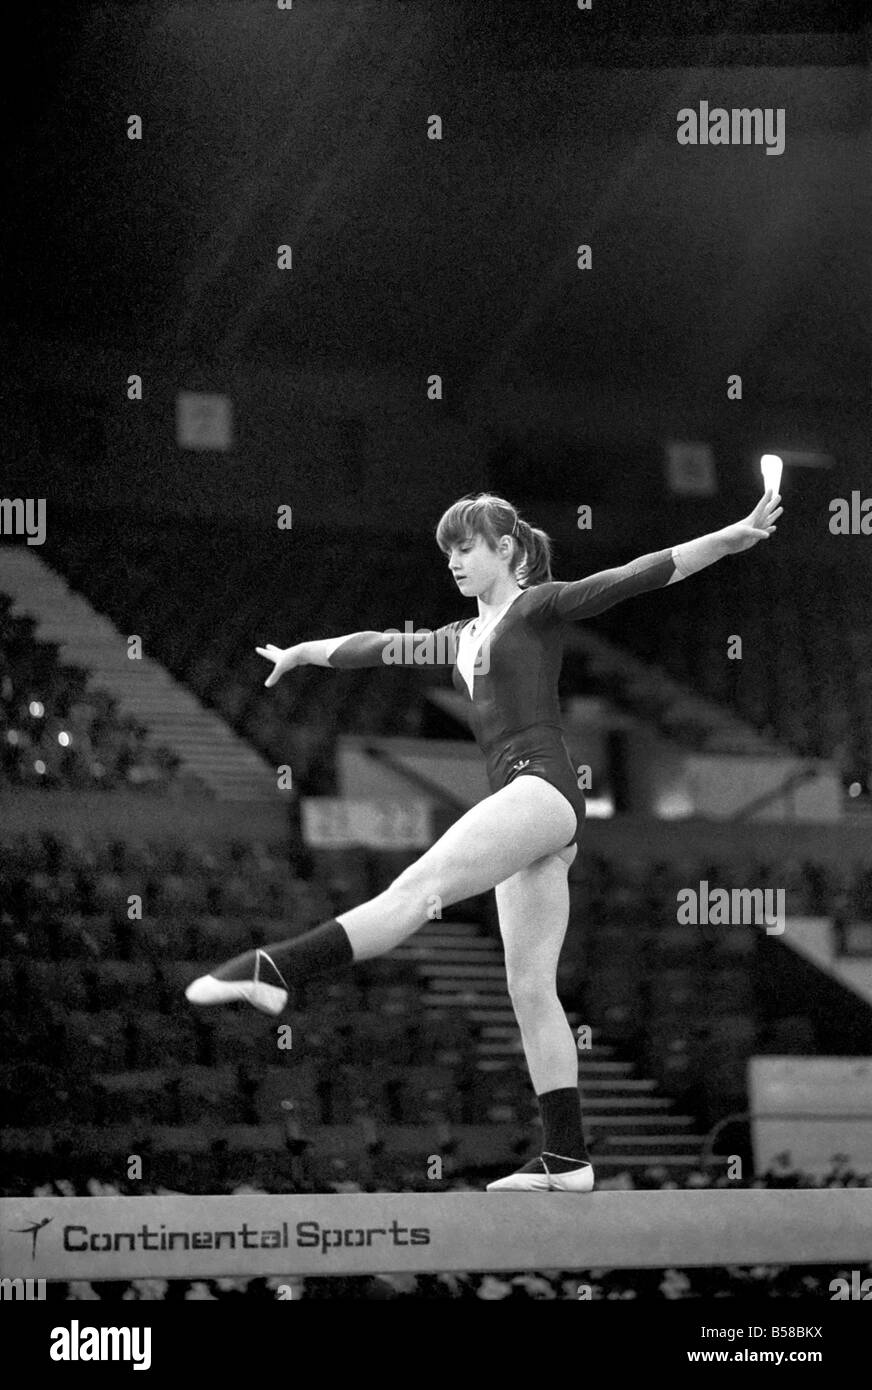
[[514, 710]]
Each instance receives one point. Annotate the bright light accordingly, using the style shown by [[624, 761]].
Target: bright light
[[39, 766], [855, 789], [771, 466], [37, 709], [673, 805], [64, 739]]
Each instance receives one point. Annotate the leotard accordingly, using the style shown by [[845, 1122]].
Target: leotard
[[508, 668]]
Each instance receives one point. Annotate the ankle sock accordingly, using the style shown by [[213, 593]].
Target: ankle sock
[[325, 947], [563, 1135]]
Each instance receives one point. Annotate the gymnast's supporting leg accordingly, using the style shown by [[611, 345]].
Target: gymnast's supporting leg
[[533, 909], [505, 832]]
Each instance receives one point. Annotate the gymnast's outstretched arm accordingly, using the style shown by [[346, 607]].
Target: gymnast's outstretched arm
[[585, 598], [422, 647]]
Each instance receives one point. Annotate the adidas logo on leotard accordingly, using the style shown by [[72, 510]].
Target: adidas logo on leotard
[[524, 762]]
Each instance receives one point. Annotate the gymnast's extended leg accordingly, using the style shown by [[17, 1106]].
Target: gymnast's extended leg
[[503, 833]]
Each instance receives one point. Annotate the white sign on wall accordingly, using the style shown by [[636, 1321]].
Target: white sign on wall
[[204, 421], [690, 468], [333, 822], [814, 1107]]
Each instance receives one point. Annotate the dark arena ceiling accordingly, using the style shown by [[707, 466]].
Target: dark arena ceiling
[[308, 128]]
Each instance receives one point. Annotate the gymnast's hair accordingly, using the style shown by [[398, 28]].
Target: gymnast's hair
[[491, 517]]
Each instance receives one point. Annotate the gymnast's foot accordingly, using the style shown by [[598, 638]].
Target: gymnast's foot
[[548, 1173], [254, 978]]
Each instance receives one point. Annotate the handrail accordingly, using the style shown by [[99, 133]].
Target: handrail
[[417, 779], [795, 779], [707, 1152]]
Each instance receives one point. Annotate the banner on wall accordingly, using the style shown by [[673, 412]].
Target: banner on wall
[[813, 1108], [334, 822], [204, 421], [690, 468]]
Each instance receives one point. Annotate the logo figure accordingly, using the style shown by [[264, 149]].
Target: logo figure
[[32, 1230], [524, 762]]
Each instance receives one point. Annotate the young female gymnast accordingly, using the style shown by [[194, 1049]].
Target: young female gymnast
[[522, 838]]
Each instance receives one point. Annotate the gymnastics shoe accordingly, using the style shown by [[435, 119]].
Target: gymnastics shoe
[[240, 980], [548, 1173]]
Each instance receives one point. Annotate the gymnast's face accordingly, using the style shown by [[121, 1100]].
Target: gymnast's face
[[475, 567]]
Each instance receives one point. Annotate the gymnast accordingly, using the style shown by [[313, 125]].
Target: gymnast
[[522, 838]]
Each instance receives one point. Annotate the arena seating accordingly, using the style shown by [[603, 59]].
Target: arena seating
[[801, 679], [95, 1033], [205, 634], [802, 683], [54, 734], [99, 1060]]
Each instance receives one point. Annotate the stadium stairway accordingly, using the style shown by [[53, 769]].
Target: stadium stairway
[[629, 1125], [214, 760], [675, 710]]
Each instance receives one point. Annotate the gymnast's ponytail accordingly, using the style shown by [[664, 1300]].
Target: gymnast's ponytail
[[532, 554]]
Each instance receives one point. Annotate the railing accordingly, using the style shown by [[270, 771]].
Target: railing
[[707, 1156], [448, 800], [790, 783]]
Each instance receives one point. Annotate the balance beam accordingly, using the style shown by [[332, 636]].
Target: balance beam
[[191, 1237]]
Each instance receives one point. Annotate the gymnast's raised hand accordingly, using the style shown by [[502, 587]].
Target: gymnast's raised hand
[[285, 659], [759, 525]]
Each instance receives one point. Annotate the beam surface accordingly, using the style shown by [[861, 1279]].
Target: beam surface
[[191, 1237]]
